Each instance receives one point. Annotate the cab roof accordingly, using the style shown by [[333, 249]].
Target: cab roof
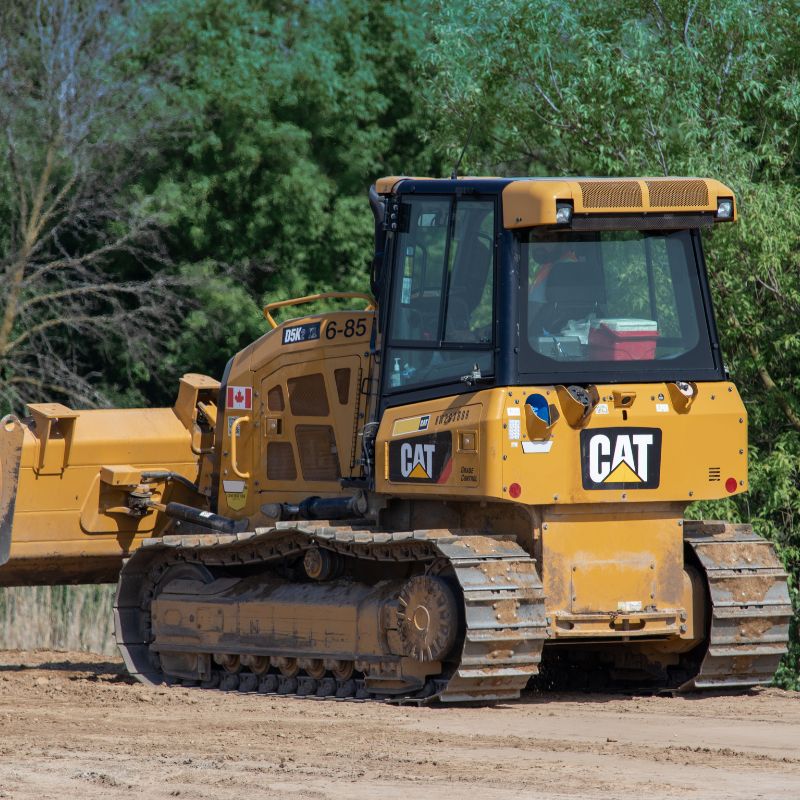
[[532, 201]]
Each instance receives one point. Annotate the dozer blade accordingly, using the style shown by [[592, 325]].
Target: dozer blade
[[10, 456], [66, 477]]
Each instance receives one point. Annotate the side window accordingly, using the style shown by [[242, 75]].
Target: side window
[[470, 294], [418, 293], [443, 292]]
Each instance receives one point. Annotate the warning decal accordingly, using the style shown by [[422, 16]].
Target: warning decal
[[240, 397], [411, 425], [235, 494]]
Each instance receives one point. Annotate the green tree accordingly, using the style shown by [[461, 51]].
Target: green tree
[[294, 109]]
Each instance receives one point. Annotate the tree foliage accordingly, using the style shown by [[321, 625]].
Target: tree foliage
[[295, 109]]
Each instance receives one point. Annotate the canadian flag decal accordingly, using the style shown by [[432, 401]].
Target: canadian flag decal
[[240, 397]]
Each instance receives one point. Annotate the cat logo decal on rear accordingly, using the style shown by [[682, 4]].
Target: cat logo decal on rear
[[421, 459], [621, 458]]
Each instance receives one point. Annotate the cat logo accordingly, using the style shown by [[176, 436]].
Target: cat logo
[[421, 459], [416, 461], [621, 458]]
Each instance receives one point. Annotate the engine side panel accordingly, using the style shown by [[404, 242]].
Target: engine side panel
[[301, 393]]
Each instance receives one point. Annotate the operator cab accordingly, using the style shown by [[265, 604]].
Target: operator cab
[[477, 289]]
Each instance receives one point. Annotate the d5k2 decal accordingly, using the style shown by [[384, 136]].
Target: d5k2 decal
[[421, 459], [621, 458], [301, 333]]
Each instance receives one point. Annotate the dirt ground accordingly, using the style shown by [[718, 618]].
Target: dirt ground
[[72, 725]]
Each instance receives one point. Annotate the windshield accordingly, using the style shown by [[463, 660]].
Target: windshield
[[613, 301]]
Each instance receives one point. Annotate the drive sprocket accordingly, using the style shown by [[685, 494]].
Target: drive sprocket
[[427, 618]]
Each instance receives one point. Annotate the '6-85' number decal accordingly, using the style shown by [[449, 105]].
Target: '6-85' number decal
[[350, 328]]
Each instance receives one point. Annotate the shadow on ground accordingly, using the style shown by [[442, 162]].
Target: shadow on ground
[[109, 671]]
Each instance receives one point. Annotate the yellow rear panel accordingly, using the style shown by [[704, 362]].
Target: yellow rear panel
[[691, 453]]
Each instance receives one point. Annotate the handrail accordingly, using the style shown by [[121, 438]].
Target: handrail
[[371, 302], [234, 433]]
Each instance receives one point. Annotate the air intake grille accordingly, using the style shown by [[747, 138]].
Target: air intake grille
[[342, 377], [307, 397], [713, 474], [319, 459], [611, 194], [275, 399], [280, 462], [634, 222], [677, 194]]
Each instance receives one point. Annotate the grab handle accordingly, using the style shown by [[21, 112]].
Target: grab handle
[[234, 433], [297, 301]]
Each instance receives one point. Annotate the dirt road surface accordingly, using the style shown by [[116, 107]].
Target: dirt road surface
[[73, 726]]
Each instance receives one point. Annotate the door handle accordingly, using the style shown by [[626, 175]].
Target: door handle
[[234, 433]]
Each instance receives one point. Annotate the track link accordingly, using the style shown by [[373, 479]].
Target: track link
[[750, 606], [504, 624]]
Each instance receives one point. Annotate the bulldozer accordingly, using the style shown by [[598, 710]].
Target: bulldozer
[[416, 496]]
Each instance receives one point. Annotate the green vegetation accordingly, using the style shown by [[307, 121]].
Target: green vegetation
[[230, 164], [58, 617]]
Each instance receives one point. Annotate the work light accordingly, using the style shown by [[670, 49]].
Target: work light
[[725, 208], [563, 213]]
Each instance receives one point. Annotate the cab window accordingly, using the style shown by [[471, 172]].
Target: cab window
[[621, 296], [443, 293]]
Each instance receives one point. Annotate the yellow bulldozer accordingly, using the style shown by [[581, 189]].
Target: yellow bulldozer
[[485, 459]]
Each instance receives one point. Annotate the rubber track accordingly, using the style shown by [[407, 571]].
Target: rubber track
[[751, 609], [504, 613]]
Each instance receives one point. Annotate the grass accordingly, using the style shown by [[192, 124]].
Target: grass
[[57, 618]]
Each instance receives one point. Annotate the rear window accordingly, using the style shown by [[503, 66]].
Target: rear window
[[617, 301]]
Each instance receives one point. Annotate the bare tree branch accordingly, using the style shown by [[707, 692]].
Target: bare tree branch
[[73, 123], [686, 25]]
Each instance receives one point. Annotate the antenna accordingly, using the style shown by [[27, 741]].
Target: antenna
[[454, 173]]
